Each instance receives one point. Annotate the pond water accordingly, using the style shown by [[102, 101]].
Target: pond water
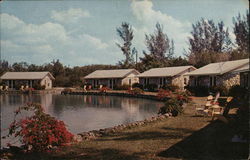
[[81, 113]]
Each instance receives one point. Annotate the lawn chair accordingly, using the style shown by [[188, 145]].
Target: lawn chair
[[22, 88], [84, 88], [215, 111], [6, 88]]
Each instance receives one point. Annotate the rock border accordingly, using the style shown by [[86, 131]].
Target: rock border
[[94, 134]]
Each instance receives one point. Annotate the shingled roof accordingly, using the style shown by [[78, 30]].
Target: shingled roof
[[219, 68], [165, 72], [25, 75], [116, 73]]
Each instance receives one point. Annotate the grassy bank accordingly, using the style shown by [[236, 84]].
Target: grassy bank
[[183, 137]]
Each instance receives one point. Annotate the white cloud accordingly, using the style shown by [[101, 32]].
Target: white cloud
[[94, 41], [148, 17], [41, 43], [69, 16]]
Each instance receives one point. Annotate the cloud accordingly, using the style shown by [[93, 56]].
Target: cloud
[[148, 17], [94, 41], [69, 16], [41, 43]]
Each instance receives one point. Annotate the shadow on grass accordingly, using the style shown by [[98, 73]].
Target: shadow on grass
[[211, 142], [169, 133], [84, 154]]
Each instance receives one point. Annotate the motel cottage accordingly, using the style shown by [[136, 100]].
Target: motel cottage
[[227, 73], [112, 78], [12, 79], [166, 75]]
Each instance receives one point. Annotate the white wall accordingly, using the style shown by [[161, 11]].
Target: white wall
[[47, 82]]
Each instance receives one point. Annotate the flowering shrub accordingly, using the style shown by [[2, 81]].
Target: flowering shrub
[[163, 94], [172, 106], [40, 131], [135, 91], [104, 89], [183, 97]]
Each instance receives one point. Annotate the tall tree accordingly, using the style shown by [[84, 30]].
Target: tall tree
[[159, 49], [241, 31], [208, 43], [126, 34]]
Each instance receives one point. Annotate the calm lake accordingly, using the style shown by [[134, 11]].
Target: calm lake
[[81, 113]]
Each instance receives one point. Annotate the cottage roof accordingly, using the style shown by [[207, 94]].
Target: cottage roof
[[25, 75], [244, 68], [116, 73], [165, 72], [219, 68]]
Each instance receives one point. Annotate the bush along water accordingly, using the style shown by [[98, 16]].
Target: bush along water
[[39, 132], [173, 102]]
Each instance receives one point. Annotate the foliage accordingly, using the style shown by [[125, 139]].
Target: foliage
[[126, 34], [170, 87], [172, 106], [104, 89], [183, 97], [39, 131], [151, 87], [159, 49], [135, 91], [122, 87], [198, 90], [241, 31], [163, 94], [137, 85], [209, 43], [237, 91], [37, 86]]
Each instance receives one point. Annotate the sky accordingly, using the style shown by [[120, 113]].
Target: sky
[[83, 32]]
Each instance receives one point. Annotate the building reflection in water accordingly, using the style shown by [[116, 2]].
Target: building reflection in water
[[83, 113]]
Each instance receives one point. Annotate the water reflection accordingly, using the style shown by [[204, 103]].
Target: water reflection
[[83, 113]]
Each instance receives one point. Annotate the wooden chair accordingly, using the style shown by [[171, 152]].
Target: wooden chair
[[216, 110]]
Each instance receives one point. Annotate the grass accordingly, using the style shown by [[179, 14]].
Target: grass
[[183, 137]]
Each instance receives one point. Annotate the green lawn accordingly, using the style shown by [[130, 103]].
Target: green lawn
[[183, 137]]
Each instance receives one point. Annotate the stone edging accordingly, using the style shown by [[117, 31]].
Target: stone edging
[[123, 94], [94, 134]]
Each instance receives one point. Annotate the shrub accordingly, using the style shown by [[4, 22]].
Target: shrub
[[151, 87], [104, 89], [198, 90], [171, 106], [237, 91], [37, 86], [39, 131], [135, 91], [170, 87], [137, 85], [222, 89], [163, 94], [183, 97], [122, 87]]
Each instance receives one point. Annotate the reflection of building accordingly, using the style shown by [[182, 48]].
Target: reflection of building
[[130, 105], [166, 75], [112, 78], [217, 74], [16, 79]]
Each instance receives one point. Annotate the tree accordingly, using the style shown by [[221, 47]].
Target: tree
[[126, 34], [241, 31], [208, 43], [20, 67], [159, 49]]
